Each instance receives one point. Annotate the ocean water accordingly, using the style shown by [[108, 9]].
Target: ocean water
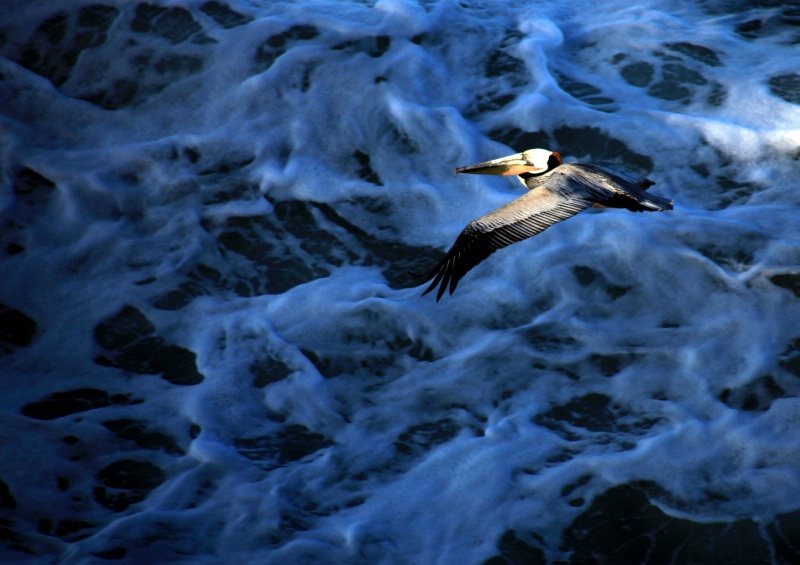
[[212, 350]]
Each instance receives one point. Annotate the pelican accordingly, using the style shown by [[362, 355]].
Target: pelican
[[556, 191]]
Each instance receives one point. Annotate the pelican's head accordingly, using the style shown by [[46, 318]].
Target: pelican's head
[[530, 162]]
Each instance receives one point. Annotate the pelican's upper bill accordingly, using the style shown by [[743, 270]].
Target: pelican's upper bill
[[532, 161]]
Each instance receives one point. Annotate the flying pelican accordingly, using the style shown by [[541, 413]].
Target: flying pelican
[[556, 191]]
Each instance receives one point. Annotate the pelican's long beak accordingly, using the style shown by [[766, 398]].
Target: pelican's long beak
[[507, 166]]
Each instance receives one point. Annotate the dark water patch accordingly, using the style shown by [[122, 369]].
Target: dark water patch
[[562, 456], [128, 336], [336, 363], [705, 55], [567, 490], [786, 87], [17, 329], [301, 241], [369, 342], [675, 73], [176, 25], [193, 154], [421, 438], [112, 554], [15, 540], [375, 47], [679, 77], [224, 15], [395, 259], [414, 348], [97, 16], [548, 337], [722, 190], [382, 45], [202, 280], [789, 360], [725, 191], [610, 364], [588, 277], [33, 195], [181, 538], [13, 248], [789, 281], [227, 165], [750, 29], [269, 370], [505, 73], [151, 356], [622, 525], [501, 63], [638, 74], [31, 184], [65, 50], [127, 482], [267, 258], [123, 329], [131, 474], [68, 530], [757, 395], [514, 550], [603, 364], [595, 413], [59, 404], [491, 101], [291, 443], [146, 77], [585, 275], [139, 433], [737, 254], [583, 91], [295, 33], [43, 54], [119, 94], [7, 501], [366, 171], [176, 66], [54, 29], [54, 48], [669, 90], [276, 45], [592, 412], [780, 25], [784, 533], [179, 297], [717, 95]]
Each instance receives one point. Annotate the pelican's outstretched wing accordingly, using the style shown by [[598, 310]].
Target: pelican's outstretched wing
[[609, 185], [625, 174], [522, 218]]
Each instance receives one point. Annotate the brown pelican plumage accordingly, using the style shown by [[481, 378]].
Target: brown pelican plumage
[[556, 191]]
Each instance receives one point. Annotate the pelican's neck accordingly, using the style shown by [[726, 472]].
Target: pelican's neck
[[531, 181]]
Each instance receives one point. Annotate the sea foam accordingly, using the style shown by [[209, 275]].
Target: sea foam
[[212, 348]]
